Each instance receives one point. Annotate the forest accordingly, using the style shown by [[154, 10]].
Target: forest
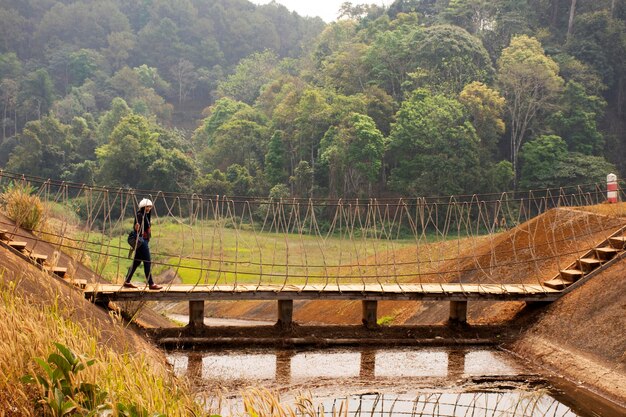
[[224, 97]]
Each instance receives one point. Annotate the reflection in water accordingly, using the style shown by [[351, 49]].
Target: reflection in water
[[511, 404], [285, 366], [332, 376]]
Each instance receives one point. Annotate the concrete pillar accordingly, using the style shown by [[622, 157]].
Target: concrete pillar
[[196, 314], [458, 311], [369, 313], [285, 313]]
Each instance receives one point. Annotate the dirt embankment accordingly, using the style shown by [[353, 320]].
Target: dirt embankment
[[39, 288], [582, 336]]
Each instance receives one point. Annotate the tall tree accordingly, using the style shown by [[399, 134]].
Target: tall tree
[[353, 153], [275, 160], [485, 107], [530, 83], [434, 149]]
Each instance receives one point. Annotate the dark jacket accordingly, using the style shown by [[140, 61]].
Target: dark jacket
[[143, 217]]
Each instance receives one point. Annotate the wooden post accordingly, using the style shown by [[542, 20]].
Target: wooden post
[[285, 313], [458, 312], [196, 313], [369, 313]]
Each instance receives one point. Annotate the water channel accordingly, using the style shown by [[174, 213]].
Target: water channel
[[403, 381]]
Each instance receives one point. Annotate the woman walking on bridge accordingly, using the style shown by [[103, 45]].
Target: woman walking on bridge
[[139, 241]]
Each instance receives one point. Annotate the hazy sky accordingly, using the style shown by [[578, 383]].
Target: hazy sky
[[326, 9]]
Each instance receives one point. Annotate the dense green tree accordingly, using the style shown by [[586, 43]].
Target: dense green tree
[[472, 15], [84, 24], [276, 160], [126, 158], [391, 58], [109, 120], [250, 75], [44, 148], [171, 171], [241, 140], [241, 182], [119, 49], [345, 70], [10, 66], [448, 58], [576, 120], [220, 113], [312, 120], [546, 163], [353, 153], [36, 94], [302, 180], [434, 148], [530, 82], [213, 184], [485, 107]]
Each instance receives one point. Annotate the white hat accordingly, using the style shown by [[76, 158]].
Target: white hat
[[145, 202]]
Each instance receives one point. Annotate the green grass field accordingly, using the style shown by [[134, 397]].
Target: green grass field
[[212, 253]]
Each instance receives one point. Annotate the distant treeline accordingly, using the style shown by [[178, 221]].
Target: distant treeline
[[421, 98]]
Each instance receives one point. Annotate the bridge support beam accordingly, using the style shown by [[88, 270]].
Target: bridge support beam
[[369, 313], [285, 313], [196, 314], [458, 312]]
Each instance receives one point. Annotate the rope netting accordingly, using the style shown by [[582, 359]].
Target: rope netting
[[509, 238]]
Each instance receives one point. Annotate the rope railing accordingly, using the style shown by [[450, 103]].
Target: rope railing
[[484, 239]]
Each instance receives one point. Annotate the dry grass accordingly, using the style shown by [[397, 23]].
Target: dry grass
[[22, 206], [29, 330]]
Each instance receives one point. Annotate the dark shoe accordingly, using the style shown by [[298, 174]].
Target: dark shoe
[[155, 287], [129, 285]]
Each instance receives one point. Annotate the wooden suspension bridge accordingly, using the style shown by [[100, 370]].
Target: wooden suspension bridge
[[601, 256]]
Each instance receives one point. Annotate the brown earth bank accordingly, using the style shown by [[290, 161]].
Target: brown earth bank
[[581, 336]]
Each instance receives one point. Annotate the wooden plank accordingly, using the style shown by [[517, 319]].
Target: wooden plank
[[618, 242], [588, 264], [38, 258], [80, 283], [571, 275], [558, 283], [17, 245], [4, 235], [606, 253], [454, 292], [59, 271]]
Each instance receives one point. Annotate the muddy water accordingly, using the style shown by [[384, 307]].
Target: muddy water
[[384, 382]]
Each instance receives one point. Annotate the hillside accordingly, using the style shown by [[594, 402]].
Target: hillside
[[39, 311]]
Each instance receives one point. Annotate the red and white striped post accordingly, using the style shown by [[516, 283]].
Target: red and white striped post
[[611, 188]]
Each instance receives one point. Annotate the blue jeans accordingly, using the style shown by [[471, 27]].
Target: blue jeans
[[142, 254]]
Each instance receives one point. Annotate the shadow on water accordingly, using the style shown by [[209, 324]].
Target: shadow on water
[[386, 382]]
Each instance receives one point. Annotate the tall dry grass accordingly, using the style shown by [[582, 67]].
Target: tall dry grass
[[29, 330], [22, 206]]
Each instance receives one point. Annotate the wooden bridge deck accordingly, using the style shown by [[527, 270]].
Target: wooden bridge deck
[[374, 292]]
